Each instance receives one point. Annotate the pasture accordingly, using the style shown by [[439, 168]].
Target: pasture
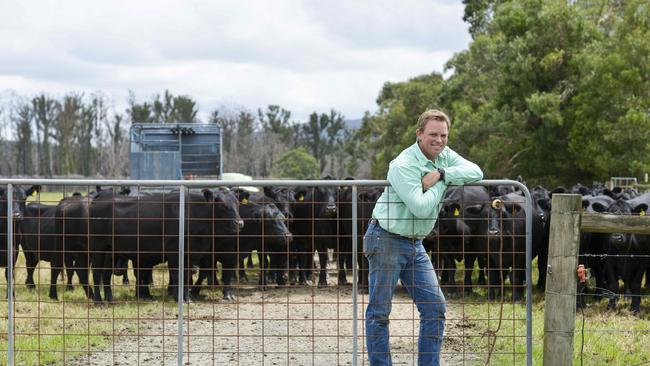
[[293, 325]]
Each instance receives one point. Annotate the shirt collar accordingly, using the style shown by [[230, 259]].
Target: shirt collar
[[423, 159]]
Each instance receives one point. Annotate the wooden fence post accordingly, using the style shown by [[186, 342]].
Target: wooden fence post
[[560, 309]]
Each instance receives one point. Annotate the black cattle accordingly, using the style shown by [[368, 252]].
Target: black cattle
[[592, 245], [366, 199], [504, 236], [264, 231], [18, 206], [37, 237], [315, 228], [282, 198], [626, 257], [540, 231], [72, 241], [144, 230], [457, 236]]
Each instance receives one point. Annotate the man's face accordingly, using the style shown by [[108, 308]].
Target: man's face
[[433, 139]]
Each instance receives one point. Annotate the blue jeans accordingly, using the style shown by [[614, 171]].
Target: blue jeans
[[392, 257]]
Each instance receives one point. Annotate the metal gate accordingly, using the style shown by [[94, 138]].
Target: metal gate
[[259, 323]]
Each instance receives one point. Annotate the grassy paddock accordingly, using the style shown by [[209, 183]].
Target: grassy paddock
[[49, 332]]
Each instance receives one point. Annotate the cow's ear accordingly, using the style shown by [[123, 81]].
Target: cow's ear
[[300, 194], [243, 196], [474, 209], [559, 190], [33, 190], [585, 204], [599, 207], [239, 192], [207, 193], [641, 209], [268, 191]]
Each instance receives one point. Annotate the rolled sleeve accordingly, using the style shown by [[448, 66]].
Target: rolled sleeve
[[407, 183], [461, 171]]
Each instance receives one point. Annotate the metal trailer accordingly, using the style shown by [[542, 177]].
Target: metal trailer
[[175, 151]]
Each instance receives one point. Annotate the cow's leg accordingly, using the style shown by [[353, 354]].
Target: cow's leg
[[107, 274], [97, 280], [342, 260], [278, 267], [227, 275], [494, 274], [81, 266], [54, 275], [469, 260], [322, 275], [30, 262], [611, 278], [635, 278]]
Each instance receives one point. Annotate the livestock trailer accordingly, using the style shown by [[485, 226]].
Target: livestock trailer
[[175, 151]]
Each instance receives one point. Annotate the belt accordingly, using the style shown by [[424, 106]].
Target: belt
[[376, 222]]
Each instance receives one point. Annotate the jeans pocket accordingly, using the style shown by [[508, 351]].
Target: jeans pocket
[[370, 244]]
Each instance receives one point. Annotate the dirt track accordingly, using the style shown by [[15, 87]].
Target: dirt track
[[305, 326]]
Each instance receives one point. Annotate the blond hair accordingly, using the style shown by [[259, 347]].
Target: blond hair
[[432, 115]]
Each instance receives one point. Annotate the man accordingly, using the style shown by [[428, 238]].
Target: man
[[404, 214]]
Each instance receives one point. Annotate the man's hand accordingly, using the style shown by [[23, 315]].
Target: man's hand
[[430, 179]]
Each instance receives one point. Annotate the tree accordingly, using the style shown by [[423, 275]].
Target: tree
[[276, 135], [297, 164], [139, 113], [66, 128], [46, 111], [22, 123]]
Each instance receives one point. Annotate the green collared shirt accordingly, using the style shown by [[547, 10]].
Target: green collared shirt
[[406, 210]]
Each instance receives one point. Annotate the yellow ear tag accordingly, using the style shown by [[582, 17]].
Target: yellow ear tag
[[34, 193], [642, 213], [456, 212], [301, 198], [244, 201]]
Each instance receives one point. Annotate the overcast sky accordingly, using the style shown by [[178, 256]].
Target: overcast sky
[[303, 55]]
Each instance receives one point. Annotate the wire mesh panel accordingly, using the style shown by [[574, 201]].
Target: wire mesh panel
[[104, 275]]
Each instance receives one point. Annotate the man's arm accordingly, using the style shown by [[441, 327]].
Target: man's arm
[[461, 171], [406, 182]]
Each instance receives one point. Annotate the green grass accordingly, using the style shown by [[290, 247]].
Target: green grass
[[50, 332], [611, 338]]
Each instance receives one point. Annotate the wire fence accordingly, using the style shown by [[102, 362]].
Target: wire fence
[[105, 272]]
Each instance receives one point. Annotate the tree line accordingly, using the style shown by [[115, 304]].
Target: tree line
[[82, 135]]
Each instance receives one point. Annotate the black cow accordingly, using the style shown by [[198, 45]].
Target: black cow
[[72, 241], [366, 199], [627, 256], [458, 235], [593, 245], [264, 231], [144, 229], [504, 236], [37, 234], [314, 228], [18, 206], [282, 198]]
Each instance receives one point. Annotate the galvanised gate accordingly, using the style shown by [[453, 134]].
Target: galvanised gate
[[283, 320]]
